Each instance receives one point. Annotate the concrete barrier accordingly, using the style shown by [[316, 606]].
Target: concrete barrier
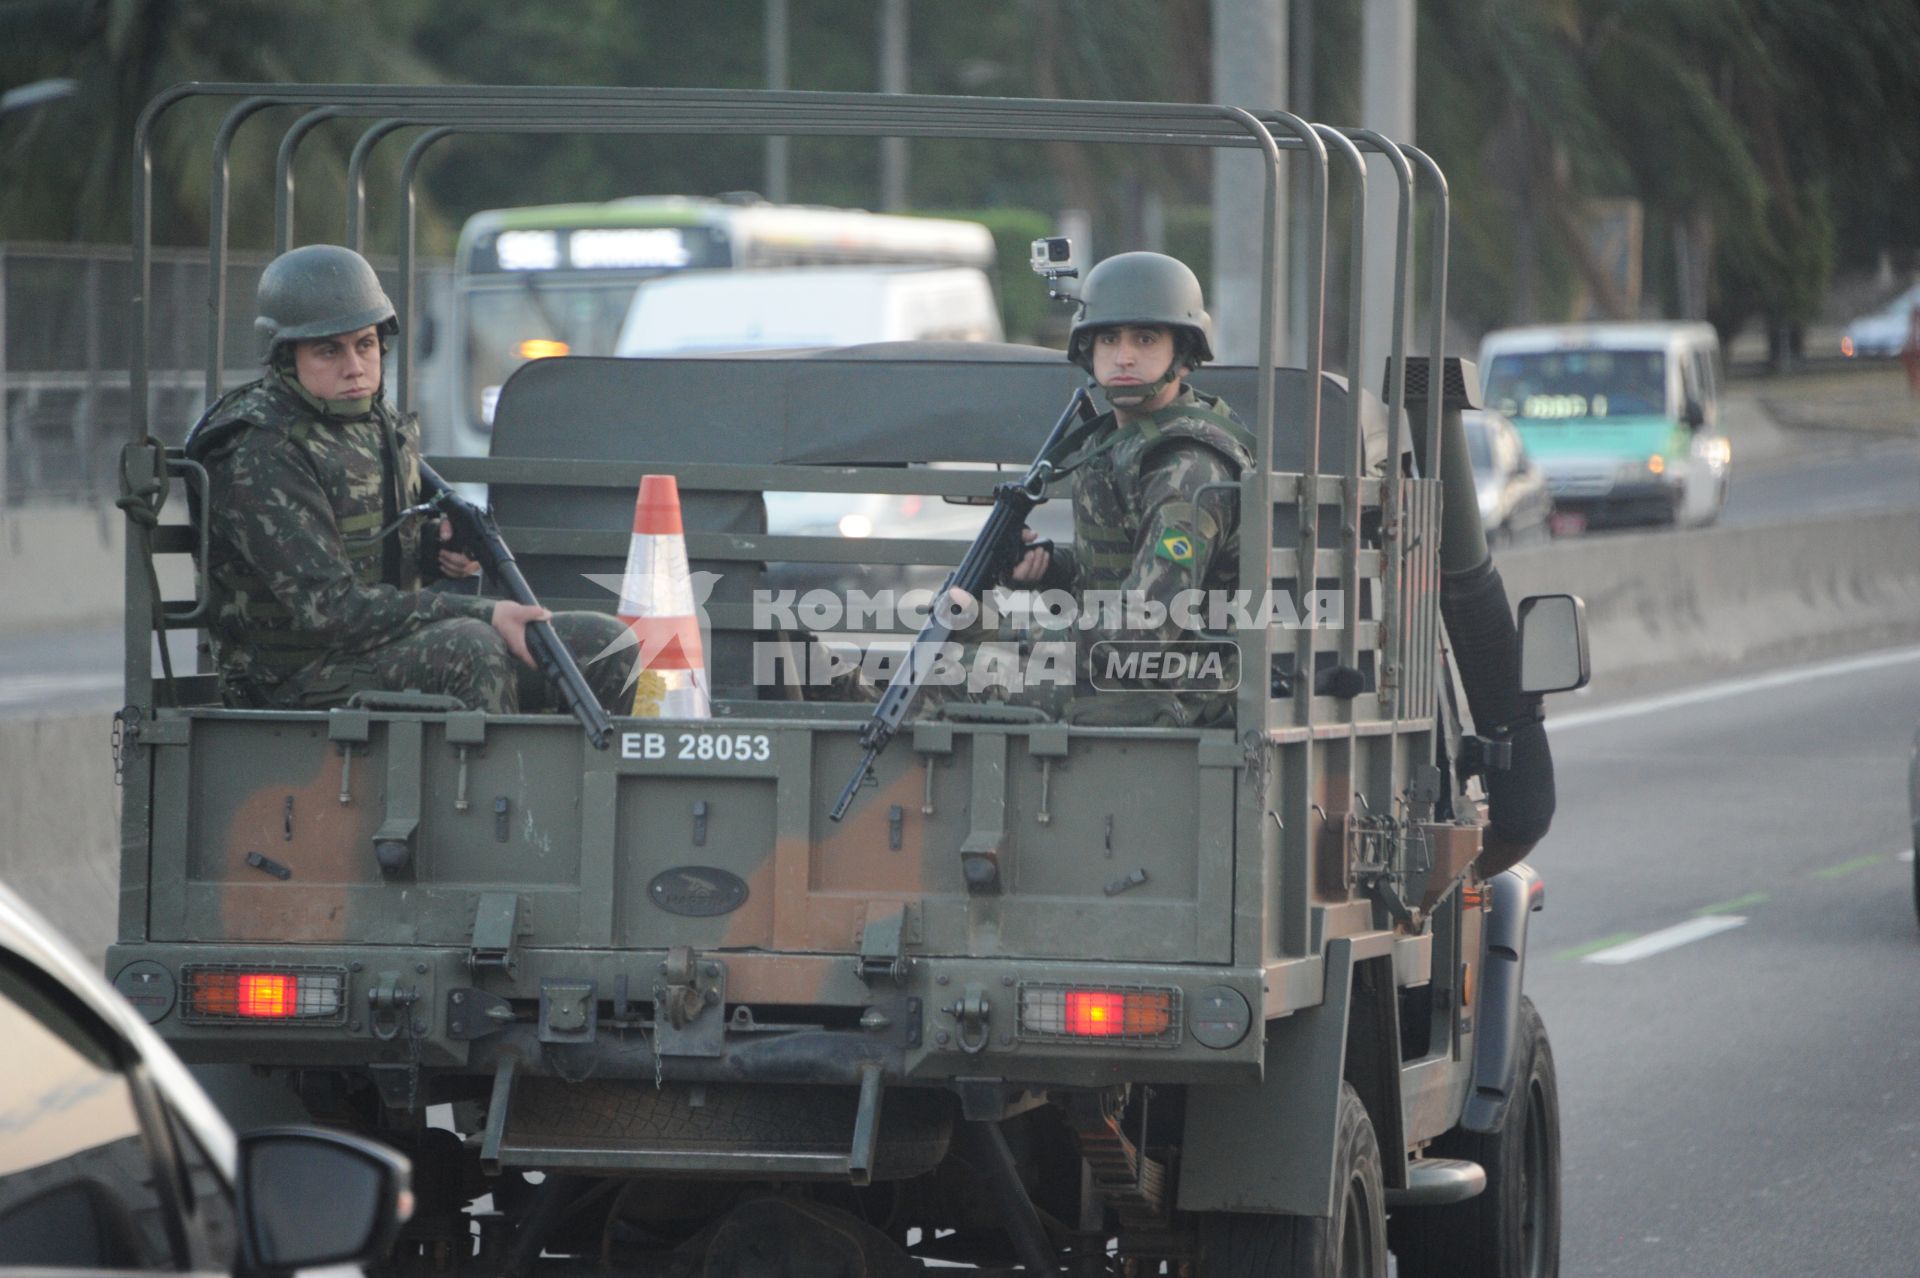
[[65, 566], [1662, 605], [60, 823]]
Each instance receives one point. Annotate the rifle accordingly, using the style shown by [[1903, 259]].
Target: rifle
[[476, 533], [992, 554]]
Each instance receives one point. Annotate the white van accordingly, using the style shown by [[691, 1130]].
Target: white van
[[1622, 418], [701, 312]]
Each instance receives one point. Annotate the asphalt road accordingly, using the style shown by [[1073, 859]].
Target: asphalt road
[[72, 670], [1747, 1102], [1850, 476]]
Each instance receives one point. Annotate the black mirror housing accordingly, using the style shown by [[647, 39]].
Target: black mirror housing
[[1553, 644], [1693, 415], [311, 1197]]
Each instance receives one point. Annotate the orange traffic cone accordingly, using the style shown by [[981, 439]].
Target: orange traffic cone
[[656, 603]]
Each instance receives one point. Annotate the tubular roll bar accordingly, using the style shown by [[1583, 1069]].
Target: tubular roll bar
[[654, 111], [445, 111]]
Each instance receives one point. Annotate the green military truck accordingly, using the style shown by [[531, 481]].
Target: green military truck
[[1237, 1000]]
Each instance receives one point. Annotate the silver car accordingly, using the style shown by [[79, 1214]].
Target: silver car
[[1516, 506], [113, 1158]]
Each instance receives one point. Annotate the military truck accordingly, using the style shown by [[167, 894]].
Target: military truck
[[1235, 1000]]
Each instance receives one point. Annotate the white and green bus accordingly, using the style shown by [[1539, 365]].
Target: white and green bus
[[559, 279]]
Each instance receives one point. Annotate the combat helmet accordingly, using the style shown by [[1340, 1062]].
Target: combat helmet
[[1143, 288], [317, 291]]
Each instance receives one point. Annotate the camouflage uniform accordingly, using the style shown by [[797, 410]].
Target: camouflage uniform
[[311, 604], [1149, 524]]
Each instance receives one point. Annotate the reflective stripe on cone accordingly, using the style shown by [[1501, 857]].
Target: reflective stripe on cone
[[656, 603]]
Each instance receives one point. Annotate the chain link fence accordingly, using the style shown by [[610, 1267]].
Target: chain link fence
[[65, 338]]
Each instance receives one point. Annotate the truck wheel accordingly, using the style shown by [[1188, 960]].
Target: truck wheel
[[1511, 1229], [1353, 1244]]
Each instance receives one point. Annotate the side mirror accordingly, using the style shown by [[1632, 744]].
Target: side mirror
[[1693, 415], [287, 1173], [1553, 644]]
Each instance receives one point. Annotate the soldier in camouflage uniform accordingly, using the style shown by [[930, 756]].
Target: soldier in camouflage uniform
[[1155, 497], [316, 572]]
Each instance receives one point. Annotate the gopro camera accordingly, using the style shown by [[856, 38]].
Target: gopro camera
[[1053, 258]]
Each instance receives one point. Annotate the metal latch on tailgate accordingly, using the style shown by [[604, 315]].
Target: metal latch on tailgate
[[689, 987], [496, 923]]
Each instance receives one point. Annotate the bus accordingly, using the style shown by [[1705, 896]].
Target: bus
[[531, 283]]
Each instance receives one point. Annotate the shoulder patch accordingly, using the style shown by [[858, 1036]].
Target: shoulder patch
[[1178, 547]]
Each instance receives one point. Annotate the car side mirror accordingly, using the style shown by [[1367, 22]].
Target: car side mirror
[[310, 1197], [1553, 644], [1693, 415]]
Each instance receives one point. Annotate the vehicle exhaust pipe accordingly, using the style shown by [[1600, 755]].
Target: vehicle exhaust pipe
[[1479, 621]]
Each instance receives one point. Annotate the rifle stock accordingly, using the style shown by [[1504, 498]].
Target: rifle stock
[[476, 532]]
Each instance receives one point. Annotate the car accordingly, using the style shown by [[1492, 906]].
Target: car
[[910, 516], [728, 311], [112, 1157], [1515, 504], [1881, 333]]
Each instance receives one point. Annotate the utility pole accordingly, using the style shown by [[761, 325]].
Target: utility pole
[[1249, 70], [1386, 103], [775, 182], [893, 79]]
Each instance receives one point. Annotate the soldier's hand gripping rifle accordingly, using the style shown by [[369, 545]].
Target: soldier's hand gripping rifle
[[988, 559], [476, 534]]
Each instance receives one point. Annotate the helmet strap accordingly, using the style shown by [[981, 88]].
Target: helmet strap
[[1132, 397]]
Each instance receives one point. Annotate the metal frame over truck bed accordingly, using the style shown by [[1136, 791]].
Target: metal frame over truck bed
[[1291, 898]]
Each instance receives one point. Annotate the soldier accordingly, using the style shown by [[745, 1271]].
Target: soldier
[[315, 572], [1151, 517]]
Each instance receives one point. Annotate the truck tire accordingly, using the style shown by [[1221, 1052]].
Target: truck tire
[[1511, 1229], [1352, 1244]]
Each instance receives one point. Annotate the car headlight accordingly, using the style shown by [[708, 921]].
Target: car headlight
[[855, 524]]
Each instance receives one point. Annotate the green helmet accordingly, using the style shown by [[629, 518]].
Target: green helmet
[[317, 291], [1143, 288]]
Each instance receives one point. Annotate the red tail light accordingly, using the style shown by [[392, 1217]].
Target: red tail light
[[228, 994], [1143, 1016]]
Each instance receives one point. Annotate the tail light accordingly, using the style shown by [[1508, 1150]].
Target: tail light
[[1128, 1015], [226, 994]]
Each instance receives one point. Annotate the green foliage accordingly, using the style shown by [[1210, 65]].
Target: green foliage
[[1785, 132]]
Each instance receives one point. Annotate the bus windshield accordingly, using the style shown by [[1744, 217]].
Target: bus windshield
[[509, 325], [1563, 385], [531, 283]]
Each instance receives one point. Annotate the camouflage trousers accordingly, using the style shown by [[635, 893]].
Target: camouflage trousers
[[467, 659]]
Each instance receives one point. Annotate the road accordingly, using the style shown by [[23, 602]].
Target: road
[[1854, 476], [1747, 1102], [72, 670]]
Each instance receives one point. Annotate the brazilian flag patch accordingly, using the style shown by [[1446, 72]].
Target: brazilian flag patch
[[1179, 547]]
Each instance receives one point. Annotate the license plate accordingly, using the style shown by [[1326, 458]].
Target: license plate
[[697, 746], [1568, 523]]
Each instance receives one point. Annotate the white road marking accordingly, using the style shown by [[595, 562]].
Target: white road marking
[[1668, 938], [1904, 856], [1729, 688]]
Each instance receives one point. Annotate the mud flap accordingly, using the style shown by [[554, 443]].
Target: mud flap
[[1515, 894], [1271, 1149]]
